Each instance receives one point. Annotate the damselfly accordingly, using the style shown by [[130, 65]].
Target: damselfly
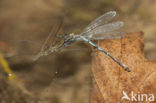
[[96, 30]]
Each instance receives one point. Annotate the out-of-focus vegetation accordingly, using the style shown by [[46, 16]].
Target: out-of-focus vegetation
[[24, 25]]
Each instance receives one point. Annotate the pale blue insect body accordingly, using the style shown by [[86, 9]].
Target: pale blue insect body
[[100, 49]]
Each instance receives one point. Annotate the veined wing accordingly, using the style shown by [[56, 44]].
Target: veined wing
[[51, 37], [100, 21], [104, 29], [51, 42], [109, 35]]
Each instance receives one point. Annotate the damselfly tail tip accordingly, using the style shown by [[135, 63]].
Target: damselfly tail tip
[[127, 69]]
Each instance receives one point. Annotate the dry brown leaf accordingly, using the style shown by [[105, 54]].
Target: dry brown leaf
[[110, 79]]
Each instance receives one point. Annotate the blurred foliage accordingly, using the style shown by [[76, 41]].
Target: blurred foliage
[[10, 74]]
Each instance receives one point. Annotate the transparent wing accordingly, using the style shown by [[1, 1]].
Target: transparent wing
[[51, 42], [109, 35], [51, 37], [104, 30], [100, 21]]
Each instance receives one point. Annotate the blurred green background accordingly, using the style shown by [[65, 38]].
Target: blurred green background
[[32, 20]]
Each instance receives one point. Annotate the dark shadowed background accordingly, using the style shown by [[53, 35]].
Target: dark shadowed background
[[24, 26]]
